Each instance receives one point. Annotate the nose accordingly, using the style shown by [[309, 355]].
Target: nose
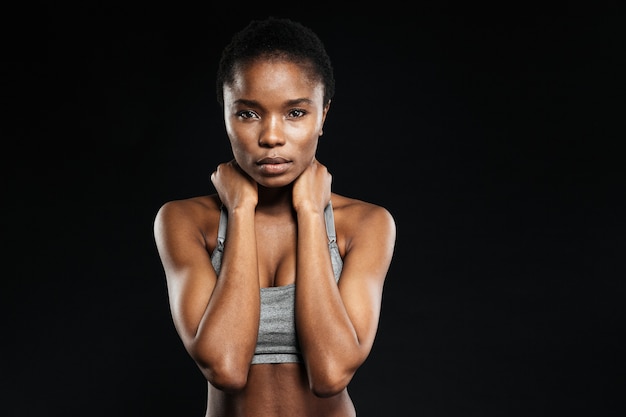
[[272, 134]]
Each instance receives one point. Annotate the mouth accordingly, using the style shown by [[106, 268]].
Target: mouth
[[273, 165], [272, 161]]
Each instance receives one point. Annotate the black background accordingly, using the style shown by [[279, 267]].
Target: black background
[[491, 135]]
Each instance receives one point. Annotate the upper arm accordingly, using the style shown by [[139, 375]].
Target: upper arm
[[187, 264], [367, 258]]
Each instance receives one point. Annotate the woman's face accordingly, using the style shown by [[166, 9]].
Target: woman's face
[[274, 114]]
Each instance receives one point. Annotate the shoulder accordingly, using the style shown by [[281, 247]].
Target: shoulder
[[193, 206], [189, 209], [357, 219], [352, 210], [195, 215]]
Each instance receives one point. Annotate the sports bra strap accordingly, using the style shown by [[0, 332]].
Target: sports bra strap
[[330, 223]]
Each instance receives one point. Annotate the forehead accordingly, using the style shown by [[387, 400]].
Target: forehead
[[264, 77]]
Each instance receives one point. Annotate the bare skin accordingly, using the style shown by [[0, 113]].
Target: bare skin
[[275, 192]]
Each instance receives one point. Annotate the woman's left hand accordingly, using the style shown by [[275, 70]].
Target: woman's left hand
[[311, 190]]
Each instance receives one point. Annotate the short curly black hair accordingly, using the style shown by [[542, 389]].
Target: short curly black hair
[[280, 38]]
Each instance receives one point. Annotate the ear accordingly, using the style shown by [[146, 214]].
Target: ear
[[324, 113], [326, 108]]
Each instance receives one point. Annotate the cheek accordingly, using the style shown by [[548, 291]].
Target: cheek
[[310, 147], [239, 134], [244, 147]]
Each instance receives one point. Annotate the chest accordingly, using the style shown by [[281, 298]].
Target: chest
[[276, 250]]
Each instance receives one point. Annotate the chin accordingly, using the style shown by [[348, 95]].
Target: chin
[[275, 182]]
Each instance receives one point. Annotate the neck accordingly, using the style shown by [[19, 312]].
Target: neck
[[274, 199]]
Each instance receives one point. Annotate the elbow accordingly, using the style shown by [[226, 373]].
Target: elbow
[[329, 382], [225, 380], [225, 374]]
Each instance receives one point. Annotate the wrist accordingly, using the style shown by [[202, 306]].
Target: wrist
[[246, 207], [308, 209]]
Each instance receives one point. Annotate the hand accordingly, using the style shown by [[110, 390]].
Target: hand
[[234, 187], [311, 190]]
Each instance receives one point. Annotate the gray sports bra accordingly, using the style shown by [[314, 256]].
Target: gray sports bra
[[277, 341]]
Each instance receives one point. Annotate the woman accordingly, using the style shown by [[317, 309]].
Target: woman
[[275, 282]]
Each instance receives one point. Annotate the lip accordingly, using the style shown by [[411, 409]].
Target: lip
[[273, 165], [272, 160]]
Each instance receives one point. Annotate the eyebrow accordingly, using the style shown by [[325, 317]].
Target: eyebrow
[[254, 103], [297, 101]]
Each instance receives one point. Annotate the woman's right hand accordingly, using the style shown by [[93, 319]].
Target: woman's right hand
[[234, 187]]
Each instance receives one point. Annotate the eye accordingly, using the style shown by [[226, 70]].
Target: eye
[[246, 114], [297, 113]]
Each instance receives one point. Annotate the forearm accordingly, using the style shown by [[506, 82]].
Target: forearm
[[328, 339]]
